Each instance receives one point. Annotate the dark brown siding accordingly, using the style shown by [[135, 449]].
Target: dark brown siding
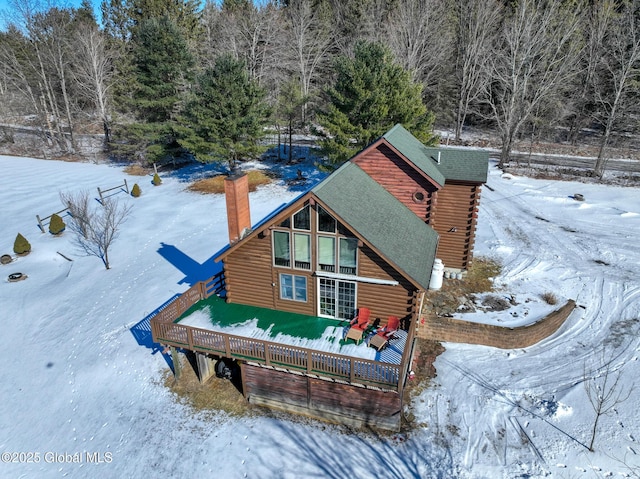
[[456, 209], [398, 178], [321, 399]]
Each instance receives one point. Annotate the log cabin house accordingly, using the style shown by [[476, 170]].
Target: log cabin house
[[365, 237]]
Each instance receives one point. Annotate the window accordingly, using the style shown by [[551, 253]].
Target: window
[[281, 249], [293, 287], [326, 222], [348, 255], [286, 223], [337, 299], [327, 254], [327, 297], [346, 299], [302, 251], [302, 219]]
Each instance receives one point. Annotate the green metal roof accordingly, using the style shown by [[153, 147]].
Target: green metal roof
[[383, 221], [455, 163]]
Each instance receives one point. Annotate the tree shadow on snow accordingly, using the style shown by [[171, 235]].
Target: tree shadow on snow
[[398, 456], [299, 174]]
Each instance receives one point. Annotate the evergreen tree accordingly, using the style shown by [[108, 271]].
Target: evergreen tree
[[21, 245], [135, 191], [370, 95], [122, 18], [163, 68], [184, 13], [226, 116], [56, 224]]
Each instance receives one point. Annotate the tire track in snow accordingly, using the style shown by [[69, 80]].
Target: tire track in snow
[[572, 260]]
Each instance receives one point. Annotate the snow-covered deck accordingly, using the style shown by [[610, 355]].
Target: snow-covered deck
[[302, 331]]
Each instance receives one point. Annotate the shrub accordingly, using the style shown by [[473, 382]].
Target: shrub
[[21, 245], [156, 180], [550, 298], [56, 225], [135, 191]]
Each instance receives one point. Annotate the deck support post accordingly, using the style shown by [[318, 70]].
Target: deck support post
[[177, 365], [206, 367]]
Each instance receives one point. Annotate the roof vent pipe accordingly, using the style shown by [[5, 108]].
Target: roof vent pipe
[[438, 157]]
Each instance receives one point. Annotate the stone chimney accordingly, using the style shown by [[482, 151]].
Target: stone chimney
[[236, 190]]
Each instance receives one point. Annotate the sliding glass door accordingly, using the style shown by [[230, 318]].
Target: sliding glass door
[[337, 298]]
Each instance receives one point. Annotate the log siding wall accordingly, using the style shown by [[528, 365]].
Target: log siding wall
[[457, 208], [249, 275], [453, 205], [384, 301], [399, 178], [252, 278]]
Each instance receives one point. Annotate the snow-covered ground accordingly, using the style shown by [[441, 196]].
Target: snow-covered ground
[[81, 397]]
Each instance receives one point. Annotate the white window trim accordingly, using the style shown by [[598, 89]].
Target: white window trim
[[292, 239], [293, 286], [273, 249], [357, 279], [339, 251], [335, 229], [293, 222], [348, 279]]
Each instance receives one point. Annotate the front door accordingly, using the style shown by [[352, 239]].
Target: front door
[[337, 298]]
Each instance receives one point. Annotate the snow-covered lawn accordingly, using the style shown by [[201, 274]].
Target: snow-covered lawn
[[76, 385]]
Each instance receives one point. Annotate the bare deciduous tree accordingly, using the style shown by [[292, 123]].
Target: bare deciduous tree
[[249, 32], [48, 32], [312, 36], [596, 23], [531, 65], [604, 392], [79, 208], [618, 72], [475, 35], [93, 72], [419, 34], [95, 228]]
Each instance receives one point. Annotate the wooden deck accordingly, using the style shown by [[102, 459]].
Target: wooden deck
[[294, 329], [314, 363]]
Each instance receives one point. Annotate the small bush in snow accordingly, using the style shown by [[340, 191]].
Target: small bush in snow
[[56, 225], [156, 179], [21, 245], [135, 191], [550, 298]]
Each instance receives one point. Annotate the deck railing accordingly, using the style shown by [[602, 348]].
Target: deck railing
[[319, 363]]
